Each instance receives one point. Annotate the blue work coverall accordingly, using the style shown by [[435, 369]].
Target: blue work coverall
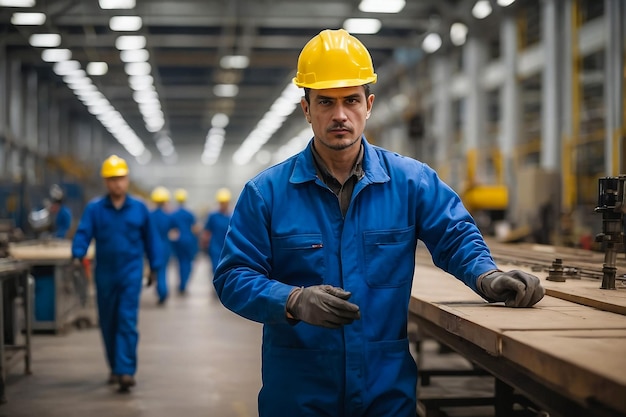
[[288, 231], [164, 223], [62, 222], [122, 237], [186, 246], [217, 224]]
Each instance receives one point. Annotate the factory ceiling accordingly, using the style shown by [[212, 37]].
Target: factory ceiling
[[190, 47]]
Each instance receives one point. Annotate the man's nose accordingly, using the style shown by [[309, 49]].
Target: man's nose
[[339, 112]]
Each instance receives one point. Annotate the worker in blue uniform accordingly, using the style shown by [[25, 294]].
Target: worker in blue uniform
[[61, 214], [123, 232], [185, 243], [216, 226], [164, 224], [321, 250]]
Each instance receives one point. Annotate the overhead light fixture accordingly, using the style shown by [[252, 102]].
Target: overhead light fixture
[[431, 43], [362, 26], [56, 55], [62, 68], [45, 40], [17, 3], [134, 55], [226, 90], [125, 23], [28, 19], [380, 6], [116, 4], [140, 82], [138, 68], [505, 3], [127, 42], [481, 9], [458, 33], [220, 120], [234, 62], [97, 68]]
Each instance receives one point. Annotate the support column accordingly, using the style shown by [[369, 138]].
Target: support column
[[613, 85], [54, 118], [442, 123], [31, 118], [550, 137], [43, 123], [4, 106], [474, 57], [509, 99], [16, 108]]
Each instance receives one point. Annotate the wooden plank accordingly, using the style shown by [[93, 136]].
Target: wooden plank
[[588, 365], [55, 250]]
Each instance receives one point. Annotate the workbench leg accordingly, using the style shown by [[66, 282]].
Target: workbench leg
[[504, 399], [2, 340], [28, 321]]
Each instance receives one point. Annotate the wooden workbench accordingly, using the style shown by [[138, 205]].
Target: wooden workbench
[[566, 356]]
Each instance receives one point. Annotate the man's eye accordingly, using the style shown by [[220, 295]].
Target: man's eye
[[324, 102]]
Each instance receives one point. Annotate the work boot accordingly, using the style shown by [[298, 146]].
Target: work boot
[[113, 379], [126, 381]]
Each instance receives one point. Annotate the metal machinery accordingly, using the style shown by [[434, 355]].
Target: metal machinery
[[612, 206]]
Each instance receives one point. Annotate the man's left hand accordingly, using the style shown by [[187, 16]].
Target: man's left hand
[[515, 288], [151, 278]]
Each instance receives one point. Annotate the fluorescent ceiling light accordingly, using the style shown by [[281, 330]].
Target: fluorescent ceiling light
[[219, 120], [56, 55], [431, 43], [134, 55], [234, 62], [382, 6], [17, 3], [364, 26], [481, 9], [138, 68], [28, 19], [45, 40], [458, 33], [505, 3], [226, 90], [140, 82], [97, 68], [65, 67], [117, 4], [127, 42], [125, 23]]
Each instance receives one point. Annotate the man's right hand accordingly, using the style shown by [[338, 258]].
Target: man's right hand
[[322, 305], [151, 278], [77, 263]]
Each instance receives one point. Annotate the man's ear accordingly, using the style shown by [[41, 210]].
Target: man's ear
[[305, 109]]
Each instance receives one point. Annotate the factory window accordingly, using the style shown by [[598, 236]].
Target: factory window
[[591, 9], [529, 23]]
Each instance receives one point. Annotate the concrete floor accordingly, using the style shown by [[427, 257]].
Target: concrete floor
[[196, 359]]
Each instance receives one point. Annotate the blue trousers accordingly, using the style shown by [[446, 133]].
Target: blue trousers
[[161, 284], [185, 261], [118, 310]]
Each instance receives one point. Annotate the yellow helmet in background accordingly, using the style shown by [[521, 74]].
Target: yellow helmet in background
[[180, 195], [160, 195], [114, 166], [334, 59], [223, 195]]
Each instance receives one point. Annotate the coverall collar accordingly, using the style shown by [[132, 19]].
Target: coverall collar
[[304, 168], [109, 203]]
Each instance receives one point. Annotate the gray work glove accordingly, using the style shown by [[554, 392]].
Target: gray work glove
[[515, 288], [322, 305]]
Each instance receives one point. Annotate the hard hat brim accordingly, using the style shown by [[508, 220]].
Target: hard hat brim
[[119, 172], [324, 85]]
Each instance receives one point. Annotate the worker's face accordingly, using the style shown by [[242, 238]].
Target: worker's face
[[338, 115], [224, 206], [117, 186]]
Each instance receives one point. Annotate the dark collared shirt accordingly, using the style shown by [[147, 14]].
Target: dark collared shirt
[[342, 191]]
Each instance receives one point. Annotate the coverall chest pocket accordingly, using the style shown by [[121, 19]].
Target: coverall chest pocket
[[132, 229], [389, 257], [299, 259]]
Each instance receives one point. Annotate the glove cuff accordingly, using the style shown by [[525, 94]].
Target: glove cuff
[[292, 300], [484, 291]]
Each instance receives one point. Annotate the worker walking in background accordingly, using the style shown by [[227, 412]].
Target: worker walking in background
[[164, 224], [185, 243], [61, 214], [216, 226], [123, 232], [321, 250]]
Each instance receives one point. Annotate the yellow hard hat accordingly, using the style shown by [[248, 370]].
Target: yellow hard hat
[[334, 59], [160, 195], [114, 166], [223, 195], [180, 195]]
